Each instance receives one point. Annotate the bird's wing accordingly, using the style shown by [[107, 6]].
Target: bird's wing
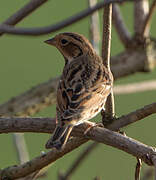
[[82, 86]]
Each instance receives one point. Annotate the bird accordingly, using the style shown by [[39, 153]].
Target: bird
[[83, 87]]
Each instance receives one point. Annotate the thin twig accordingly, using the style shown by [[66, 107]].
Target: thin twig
[[21, 148], [23, 12], [55, 27], [106, 46], [120, 26], [106, 41], [94, 27], [133, 117], [146, 25], [138, 169], [79, 160], [41, 161], [141, 9]]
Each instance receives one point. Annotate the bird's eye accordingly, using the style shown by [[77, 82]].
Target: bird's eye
[[64, 41]]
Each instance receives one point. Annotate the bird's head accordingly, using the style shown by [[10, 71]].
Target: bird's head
[[71, 45]]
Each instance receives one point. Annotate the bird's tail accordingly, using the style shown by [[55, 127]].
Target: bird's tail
[[60, 137]]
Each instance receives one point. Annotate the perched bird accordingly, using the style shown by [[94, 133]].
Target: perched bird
[[83, 87]]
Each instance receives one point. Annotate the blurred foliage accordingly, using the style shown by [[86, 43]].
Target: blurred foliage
[[27, 61]]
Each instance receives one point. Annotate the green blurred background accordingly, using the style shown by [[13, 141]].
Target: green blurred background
[[27, 61]]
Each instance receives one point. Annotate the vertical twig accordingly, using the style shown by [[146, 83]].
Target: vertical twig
[[21, 148], [120, 26], [106, 42], [146, 25], [106, 45], [141, 9], [138, 169], [94, 27]]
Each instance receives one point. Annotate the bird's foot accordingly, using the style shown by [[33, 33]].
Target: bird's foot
[[92, 125], [122, 132], [107, 119]]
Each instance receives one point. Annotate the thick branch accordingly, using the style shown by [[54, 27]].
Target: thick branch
[[125, 63], [47, 125], [32, 100], [97, 134], [23, 12], [55, 27], [120, 26]]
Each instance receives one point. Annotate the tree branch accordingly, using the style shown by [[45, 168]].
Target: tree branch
[[125, 63], [141, 9], [106, 48], [106, 41], [120, 26], [32, 100], [135, 87], [146, 25], [39, 162], [133, 117], [94, 27], [55, 27], [138, 169], [47, 125], [97, 134], [23, 12], [21, 149]]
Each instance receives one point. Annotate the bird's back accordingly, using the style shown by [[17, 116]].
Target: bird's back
[[84, 84]]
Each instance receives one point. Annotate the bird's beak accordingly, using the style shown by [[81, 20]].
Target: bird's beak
[[51, 41]]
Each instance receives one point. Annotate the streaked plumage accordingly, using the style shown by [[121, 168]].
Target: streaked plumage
[[83, 88]]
